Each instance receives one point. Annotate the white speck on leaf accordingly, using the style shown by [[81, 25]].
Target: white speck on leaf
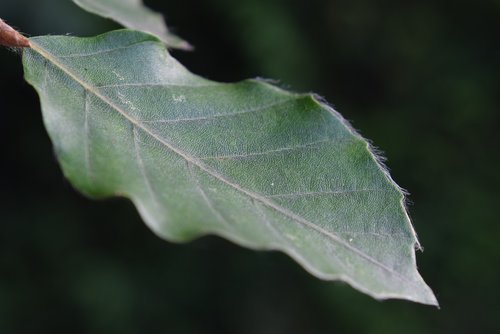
[[120, 77], [179, 98], [125, 101]]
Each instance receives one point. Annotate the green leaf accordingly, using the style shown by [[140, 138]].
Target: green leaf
[[134, 15], [265, 168]]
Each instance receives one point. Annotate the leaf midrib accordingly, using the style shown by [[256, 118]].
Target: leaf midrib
[[190, 159]]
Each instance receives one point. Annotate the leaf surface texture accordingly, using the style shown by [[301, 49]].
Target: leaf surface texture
[[263, 167]]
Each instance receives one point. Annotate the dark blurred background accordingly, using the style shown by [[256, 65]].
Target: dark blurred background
[[419, 78]]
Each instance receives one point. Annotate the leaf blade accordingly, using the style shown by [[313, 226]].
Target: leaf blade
[[134, 15], [265, 168]]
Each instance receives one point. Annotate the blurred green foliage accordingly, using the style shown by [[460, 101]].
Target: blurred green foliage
[[419, 78]]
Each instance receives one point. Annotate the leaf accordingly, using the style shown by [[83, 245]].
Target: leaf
[[134, 15], [263, 167]]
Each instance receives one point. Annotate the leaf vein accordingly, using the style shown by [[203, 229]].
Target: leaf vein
[[142, 168], [325, 193], [278, 150], [101, 52], [212, 117], [207, 199], [154, 85], [86, 137]]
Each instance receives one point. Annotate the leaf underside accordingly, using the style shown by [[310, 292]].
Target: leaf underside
[[134, 15], [263, 167]]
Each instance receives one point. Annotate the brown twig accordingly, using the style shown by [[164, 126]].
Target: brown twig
[[12, 38]]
